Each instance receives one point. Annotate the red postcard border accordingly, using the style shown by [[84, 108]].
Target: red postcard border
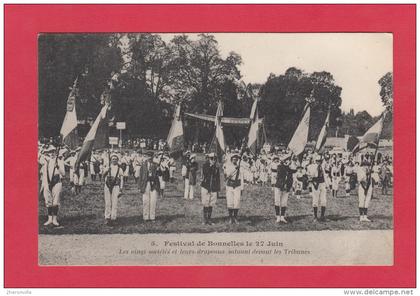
[[24, 22]]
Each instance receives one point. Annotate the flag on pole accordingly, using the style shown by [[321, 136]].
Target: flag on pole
[[218, 144], [323, 134], [371, 137], [300, 137], [89, 142], [254, 142], [175, 138], [69, 128]]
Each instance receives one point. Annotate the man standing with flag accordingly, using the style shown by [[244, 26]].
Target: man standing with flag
[[210, 186], [317, 178], [114, 181], [364, 177], [52, 172], [282, 188], [149, 186], [364, 173], [234, 186]]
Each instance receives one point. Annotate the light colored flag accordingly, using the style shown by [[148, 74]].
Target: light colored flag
[[300, 137], [89, 141], [218, 144], [175, 138], [69, 128], [371, 137], [323, 134], [254, 129]]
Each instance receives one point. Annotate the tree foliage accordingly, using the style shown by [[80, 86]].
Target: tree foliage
[[63, 58], [283, 99], [146, 76], [387, 91]]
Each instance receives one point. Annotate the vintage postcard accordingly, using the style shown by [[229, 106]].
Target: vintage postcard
[[215, 149]]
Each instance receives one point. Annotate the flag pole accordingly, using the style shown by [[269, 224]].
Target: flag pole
[[376, 149]]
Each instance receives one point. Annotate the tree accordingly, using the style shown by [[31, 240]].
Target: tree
[[387, 92], [284, 98], [150, 62], [62, 58], [202, 72]]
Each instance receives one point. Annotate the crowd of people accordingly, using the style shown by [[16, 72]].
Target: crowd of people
[[316, 174]]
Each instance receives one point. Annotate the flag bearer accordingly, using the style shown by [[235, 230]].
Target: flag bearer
[[69, 162], [348, 172], [210, 186], [114, 182], [234, 187], [335, 178], [317, 179], [190, 177], [52, 172], [149, 186], [282, 188], [364, 178]]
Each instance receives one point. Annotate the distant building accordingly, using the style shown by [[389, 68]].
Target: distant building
[[345, 143]]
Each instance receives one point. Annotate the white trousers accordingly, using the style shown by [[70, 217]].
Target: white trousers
[[335, 183], [149, 203], [79, 180], [188, 190], [127, 171], [233, 197], [137, 171], [71, 175], [347, 180], [52, 198], [208, 199], [280, 197], [162, 183], [319, 196], [111, 202], [364, 199], [172, 172]]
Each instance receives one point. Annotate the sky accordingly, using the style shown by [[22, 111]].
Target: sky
[[356, 60]]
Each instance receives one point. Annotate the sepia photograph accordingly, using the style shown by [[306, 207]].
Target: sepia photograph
[[193, 149]]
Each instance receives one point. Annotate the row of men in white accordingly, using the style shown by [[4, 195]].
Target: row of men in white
[[151, 184]]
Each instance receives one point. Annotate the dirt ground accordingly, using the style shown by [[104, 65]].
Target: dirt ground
[[84, 213]]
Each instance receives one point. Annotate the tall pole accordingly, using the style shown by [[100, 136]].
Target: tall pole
[[120, 140]]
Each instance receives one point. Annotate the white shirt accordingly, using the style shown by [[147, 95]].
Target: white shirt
[[48, 170]]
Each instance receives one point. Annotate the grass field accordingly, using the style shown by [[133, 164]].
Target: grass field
[[84, 214]]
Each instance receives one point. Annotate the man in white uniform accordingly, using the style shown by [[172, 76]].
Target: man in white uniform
[[113, 177], [69, 162], [317, 178], [149, 187], [234, 186], [52, 172], [365, 190]]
